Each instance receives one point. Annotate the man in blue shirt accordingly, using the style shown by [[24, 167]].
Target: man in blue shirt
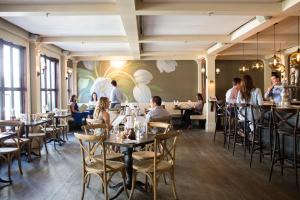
[[274, 92], [116, 96]]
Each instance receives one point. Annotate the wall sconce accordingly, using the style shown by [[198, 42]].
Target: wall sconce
[[69, 73], [202, 70], [218, 71], [42, 70]]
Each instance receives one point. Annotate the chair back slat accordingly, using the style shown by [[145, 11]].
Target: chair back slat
[[93, 129], [15, 126]]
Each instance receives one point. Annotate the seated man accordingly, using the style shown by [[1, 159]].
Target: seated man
[[156, 111]]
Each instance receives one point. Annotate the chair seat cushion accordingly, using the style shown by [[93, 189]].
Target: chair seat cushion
[[144, 155], [5, 150], [148, 165], [97, 167], [31, 135], [12, 141]]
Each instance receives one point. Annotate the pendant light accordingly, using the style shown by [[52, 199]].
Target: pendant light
[[275, 60], [258, 64], [295, 57], [279, 67], [243, 68]]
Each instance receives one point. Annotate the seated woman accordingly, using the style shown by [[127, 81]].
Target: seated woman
[[92, 104], [249, 94], [100, 114], [197, 110], [78, 116]]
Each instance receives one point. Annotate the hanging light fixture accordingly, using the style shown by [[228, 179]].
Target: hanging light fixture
[[243, 68], [275, 59], [295, 57], [258, 64], [279, 67]]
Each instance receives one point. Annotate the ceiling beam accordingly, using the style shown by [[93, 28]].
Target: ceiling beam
[[58, 9], [175, 57], [85, 39], [201, 8], [172, 53], [130, 23], [99, 53], [88, 58], [184, 38]]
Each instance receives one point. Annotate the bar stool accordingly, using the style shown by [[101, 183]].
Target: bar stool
[[219, 115], [285, 124], [262, 123], [244, 118], [229, 125]]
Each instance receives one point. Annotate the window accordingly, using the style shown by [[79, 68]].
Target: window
[[48, 83], [12, 82]]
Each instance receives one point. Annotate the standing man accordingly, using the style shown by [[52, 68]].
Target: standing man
[[274, 92], [116, 95], [232, 93]]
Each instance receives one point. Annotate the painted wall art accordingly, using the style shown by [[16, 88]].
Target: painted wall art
[[138, 80]]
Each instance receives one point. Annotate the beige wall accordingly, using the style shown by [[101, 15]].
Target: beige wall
[[229, 70]]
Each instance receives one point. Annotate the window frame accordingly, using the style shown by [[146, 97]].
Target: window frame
[[47, 88], [22, 77]]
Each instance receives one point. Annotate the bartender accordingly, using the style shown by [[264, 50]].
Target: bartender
[[274, 92]]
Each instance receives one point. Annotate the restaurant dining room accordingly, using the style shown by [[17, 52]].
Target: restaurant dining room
[[149, 99]]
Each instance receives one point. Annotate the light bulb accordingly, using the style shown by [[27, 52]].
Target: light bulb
[[203, 70], [257, 65], [218, 70], [298, 57], [275, 61]]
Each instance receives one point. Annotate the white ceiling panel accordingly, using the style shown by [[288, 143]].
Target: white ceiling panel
[[176, 46], [101, 47], [70, 25], [54, 1], [192, 25]]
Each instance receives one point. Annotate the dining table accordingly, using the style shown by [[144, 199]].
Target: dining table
[[127, 148]]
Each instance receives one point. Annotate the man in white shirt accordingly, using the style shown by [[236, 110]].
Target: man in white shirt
[[231, 94], [116, 96], [156, 111]]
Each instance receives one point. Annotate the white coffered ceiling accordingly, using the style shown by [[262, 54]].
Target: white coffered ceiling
[[144, 29]]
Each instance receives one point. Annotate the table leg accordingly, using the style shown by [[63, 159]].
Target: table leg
[[5, 181], [128, 166]]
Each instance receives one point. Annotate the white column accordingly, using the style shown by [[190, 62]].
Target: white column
[[63, 93], [35, 70], [74, 77], [210, 92], [199, 75]]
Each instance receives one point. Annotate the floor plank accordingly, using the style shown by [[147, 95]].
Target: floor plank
[[203, 171]]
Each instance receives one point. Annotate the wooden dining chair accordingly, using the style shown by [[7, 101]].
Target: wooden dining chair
[[101, 167], [50, 129], [7, 153], [101, 129], [148, 151], [18, 141], [163, 161]]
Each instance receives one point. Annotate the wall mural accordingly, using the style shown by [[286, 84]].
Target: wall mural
[[138, 80]]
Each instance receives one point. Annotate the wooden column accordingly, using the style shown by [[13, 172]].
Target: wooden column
[[74, 77], [199, 81], [210, 92], [63, 93]]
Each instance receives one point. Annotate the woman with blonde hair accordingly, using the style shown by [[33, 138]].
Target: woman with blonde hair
[[100, 114]]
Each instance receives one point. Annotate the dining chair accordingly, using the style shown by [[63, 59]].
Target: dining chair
[[219, 115], [18, 142], [229, 124], [64, 126], [7, 153], [163, 161], [148, 151], [38, 135], [285, 126], [103, 168], [50, 129], [101, 129]]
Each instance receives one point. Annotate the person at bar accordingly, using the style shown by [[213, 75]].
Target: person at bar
[[274, 91], [197, 110], [231, 94], [116, 96], [100, 114], [76, 114], [251, 95], [156, 111]]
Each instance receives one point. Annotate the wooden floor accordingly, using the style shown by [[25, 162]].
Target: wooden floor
[[203, 171]]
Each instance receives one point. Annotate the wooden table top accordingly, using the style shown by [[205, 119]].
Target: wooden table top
[[37, 122]]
